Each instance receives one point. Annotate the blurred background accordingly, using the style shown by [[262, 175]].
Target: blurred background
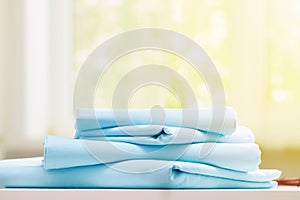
[[255, 45]]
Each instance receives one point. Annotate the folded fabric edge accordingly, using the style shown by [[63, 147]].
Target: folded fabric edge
[[209, 170], [164, 135]]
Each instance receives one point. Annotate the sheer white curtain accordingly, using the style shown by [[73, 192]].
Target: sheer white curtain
[[36, 68]]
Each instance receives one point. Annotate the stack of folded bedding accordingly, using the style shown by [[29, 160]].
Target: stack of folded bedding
[[135, 149]]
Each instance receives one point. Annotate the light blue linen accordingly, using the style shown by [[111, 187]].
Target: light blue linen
[[30, 173], [201, 119], [62, 152], [164, 135]]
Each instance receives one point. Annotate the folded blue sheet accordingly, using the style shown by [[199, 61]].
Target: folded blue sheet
[[131, 174], [146, 149], [62, 152], [201, 119], [164, 135]]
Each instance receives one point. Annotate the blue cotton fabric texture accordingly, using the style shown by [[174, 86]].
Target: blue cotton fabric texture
[[29, 173], [64, 153], [200, 119]]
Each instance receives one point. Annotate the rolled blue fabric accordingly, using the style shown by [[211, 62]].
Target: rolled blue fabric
[[200, 119], [164, 135], [62, 152], [29, 173]]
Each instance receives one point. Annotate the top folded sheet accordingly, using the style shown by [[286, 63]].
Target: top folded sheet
[[204, 119]]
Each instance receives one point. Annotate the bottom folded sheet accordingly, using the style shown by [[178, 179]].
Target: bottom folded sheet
[[131, 174]]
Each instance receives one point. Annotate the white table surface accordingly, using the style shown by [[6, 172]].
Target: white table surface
[[280, 193]]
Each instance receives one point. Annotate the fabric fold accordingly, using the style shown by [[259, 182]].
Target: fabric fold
[[165, 135], [61, 152], [200, 119], [141, 173]]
